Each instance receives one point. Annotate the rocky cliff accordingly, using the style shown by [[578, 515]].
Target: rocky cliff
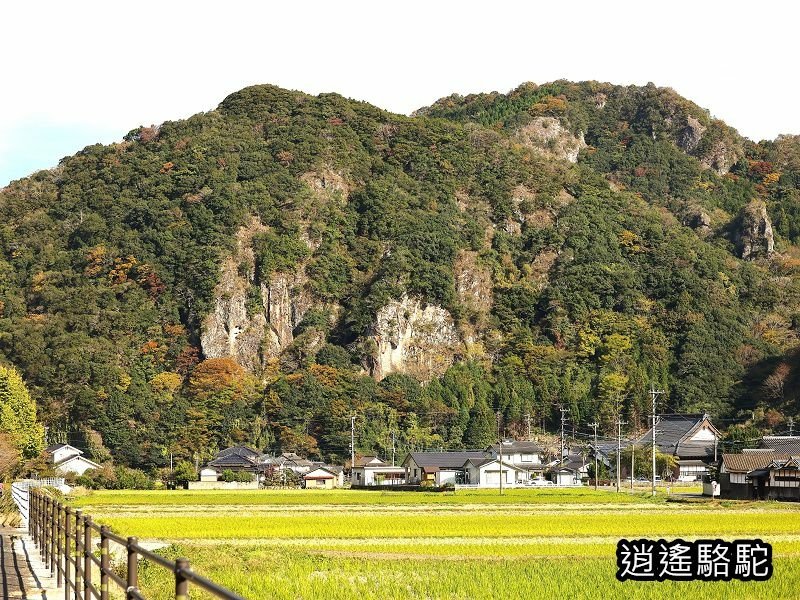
[[253, 327], [413, 338]]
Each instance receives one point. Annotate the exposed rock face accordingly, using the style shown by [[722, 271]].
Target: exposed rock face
[[548, 136], [691, 135], [286, 302], [754, 237], [251, 339], [228, 330], [721, 157], [413, 338], [474, 289], [698, 219], [327, 182]]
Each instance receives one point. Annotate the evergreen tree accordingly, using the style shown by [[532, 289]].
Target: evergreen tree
[[481, 431]]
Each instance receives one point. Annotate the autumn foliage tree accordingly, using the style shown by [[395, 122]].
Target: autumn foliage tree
[[18, 415]]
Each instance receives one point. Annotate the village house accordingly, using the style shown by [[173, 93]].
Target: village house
[[572, 470], [735, 474], [68, 459], [371, 470], [439, 468], [487, 472], [324, 478], [235, 459], [527, 457], [288, 461], [759, 474], [782, 444], [691, 439]]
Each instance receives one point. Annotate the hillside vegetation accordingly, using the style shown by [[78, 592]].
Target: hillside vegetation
[[259, 273]]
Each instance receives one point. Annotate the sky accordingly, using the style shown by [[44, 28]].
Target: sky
[[78, 73]]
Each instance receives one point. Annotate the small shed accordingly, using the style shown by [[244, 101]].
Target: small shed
[[324, 478], [564, 475]]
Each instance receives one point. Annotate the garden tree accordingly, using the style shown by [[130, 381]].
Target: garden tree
[[18, 415], [643, 461], [184, 472]]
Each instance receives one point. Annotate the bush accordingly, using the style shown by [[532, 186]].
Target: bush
[[119, 478], [234, 476]]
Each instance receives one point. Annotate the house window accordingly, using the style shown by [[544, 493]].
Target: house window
[[320, 483], [415, 472], [358, 476], [527, 458]]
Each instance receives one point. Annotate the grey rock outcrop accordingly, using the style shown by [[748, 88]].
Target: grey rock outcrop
[[252, 335], [413, 338], [754, 237], [548, 136]]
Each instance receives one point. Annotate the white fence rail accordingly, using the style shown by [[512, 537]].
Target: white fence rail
[[20, 493]]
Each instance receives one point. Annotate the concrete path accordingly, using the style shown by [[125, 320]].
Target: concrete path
[[23, 576]]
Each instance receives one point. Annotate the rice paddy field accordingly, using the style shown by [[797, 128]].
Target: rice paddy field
[[342, 545]]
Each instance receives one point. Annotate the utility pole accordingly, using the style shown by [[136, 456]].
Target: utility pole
[[791, 426], [620, 423], [633, 462], [500, 443], [594, 426], [528, 424], [653, 395], [352, 446], [563, 420], [393, 448]]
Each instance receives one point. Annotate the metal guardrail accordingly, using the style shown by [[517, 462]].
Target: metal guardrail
[[65, 536]]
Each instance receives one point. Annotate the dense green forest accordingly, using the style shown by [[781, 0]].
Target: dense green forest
[[582, 241]]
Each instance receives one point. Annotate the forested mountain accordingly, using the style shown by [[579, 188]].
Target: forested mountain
[[261, 272]]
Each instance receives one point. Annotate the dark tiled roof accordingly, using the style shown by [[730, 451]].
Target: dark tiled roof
[[744, 463], [445, 460], [518, 446], [242, 451], [788, 444], [672, 433], [232, 460]]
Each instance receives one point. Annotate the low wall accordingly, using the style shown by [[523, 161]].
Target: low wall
[[223, 485], [402, 488]]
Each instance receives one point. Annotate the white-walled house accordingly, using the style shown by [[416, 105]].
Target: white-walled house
[[438, 468], [374, 474], [68, 459], [487, 472], [528, 457], [324, 478]]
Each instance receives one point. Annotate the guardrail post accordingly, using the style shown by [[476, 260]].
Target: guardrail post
[[87, 557], [42, 529], [78, 555], [53, 536], [67, 551], [181, 583], [30, 513], [133, 568], [46, 530], [105, 563]]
